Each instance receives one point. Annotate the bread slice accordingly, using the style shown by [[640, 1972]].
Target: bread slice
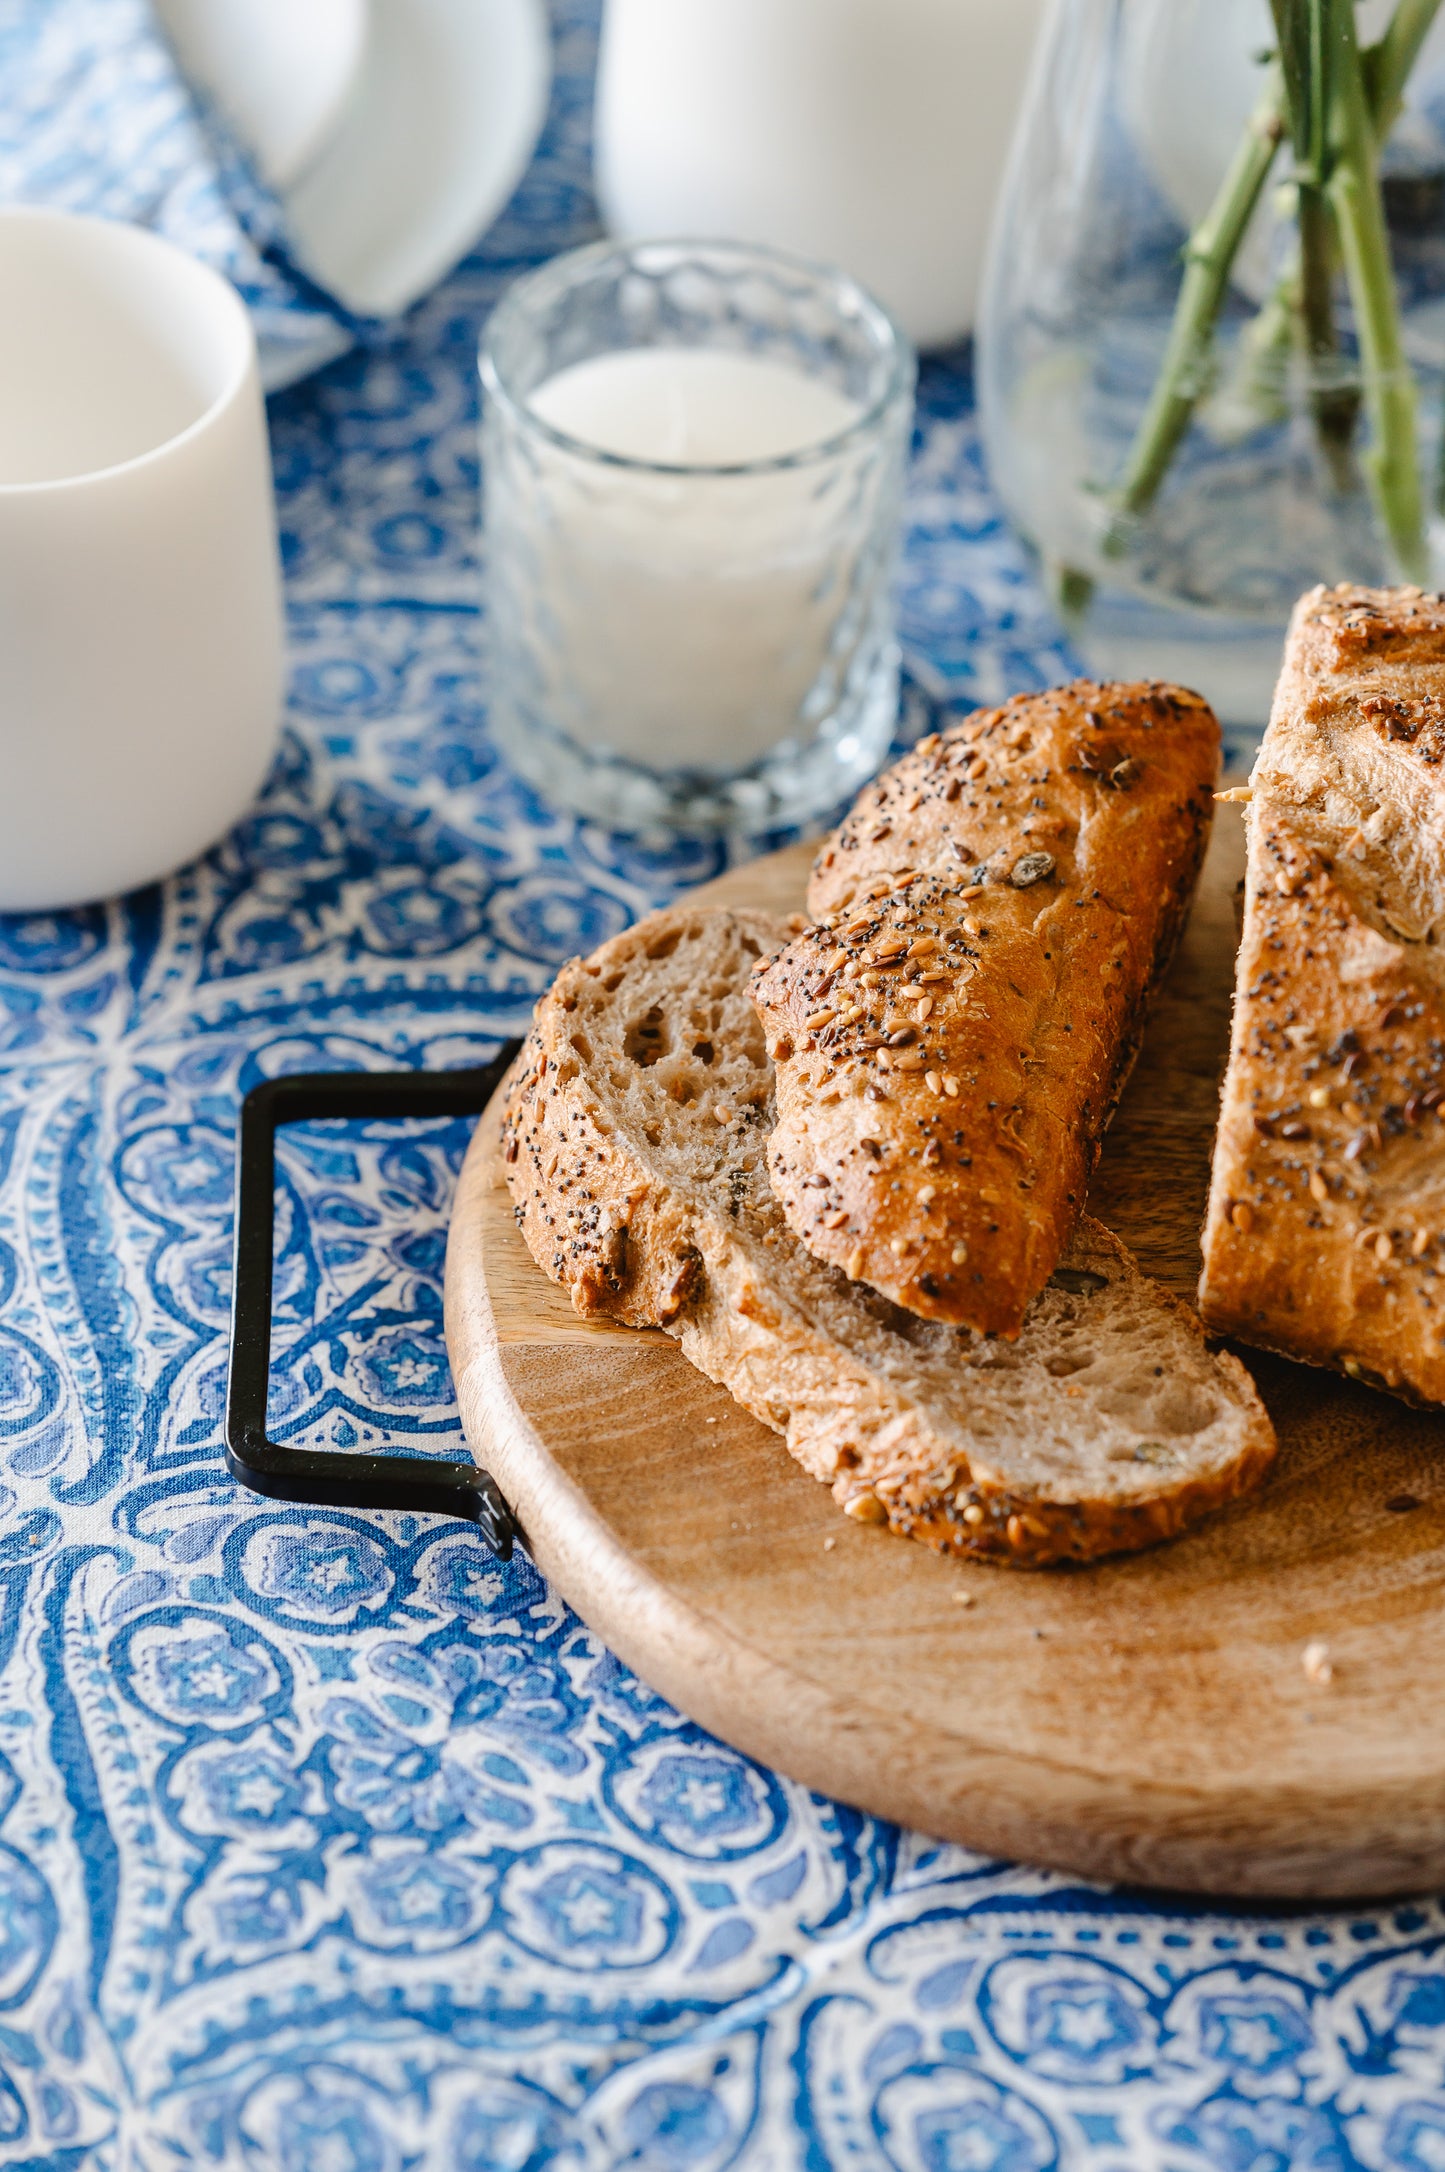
[[635, 1150], [998, 910], [1325, 1236]]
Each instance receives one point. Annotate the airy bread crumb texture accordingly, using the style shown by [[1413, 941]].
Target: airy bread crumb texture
[[635, 1150]]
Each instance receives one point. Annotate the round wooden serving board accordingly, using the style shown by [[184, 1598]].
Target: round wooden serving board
[[1147, 1719]]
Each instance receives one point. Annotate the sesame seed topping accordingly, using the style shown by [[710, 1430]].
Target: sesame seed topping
[[865, 1508], [1242, 1216], [1033, 867]]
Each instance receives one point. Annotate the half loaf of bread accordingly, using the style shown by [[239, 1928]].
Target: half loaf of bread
[[996, 910], [635, 1151], [1326, 1230]]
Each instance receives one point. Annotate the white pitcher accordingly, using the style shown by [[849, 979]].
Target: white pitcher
[[868, 133]]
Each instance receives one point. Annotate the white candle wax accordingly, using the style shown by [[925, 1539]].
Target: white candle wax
[[690, 611], [692, 406]]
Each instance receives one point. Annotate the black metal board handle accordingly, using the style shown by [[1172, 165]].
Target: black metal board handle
[[324, 1477]]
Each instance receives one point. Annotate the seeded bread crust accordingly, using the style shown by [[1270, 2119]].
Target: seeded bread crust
[[951, 1041], [634, 1149], [1325, 1237]]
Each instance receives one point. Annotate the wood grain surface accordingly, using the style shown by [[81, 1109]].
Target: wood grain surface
[[1149, 1719]]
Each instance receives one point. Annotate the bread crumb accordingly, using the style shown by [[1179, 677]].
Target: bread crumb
[[962, 1598], [829, 1544], [1315, 1659]]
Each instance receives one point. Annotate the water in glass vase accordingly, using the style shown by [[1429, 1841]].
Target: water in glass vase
[[1201, 391]]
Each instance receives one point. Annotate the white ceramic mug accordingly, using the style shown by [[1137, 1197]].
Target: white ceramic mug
[[141, 649]]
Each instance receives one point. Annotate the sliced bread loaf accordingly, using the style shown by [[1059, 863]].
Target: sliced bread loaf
[[1326, 1229], [635, 1150], [996, 911]]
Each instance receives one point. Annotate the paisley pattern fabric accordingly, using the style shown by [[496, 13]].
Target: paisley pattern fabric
[[96, 117], [327, 1844]]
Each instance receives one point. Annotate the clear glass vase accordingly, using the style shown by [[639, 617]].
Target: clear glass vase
[[1136, 111]]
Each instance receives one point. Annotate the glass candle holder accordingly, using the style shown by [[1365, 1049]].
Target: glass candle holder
[[693, 461]]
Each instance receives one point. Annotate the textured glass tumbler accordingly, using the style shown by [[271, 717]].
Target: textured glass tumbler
[[693, 633]]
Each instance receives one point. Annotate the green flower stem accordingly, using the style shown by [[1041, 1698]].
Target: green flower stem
[[1334, 406], [1353, 189], [1303, 292], [1209, 254], [1386, 65], [1257, 387]]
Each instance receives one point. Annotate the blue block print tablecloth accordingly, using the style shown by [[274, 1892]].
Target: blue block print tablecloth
[[326, 1843]]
